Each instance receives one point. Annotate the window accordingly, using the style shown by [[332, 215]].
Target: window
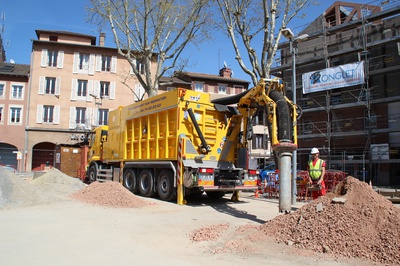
[[259, 141], [52, 58], [170, 88], [53, 38], [222, 89], [48, 113], [83, 62], [140, 67], [308, 127], [16, 91], [1, 90], [238, 89], [199, 87], [103, 117], [370, 122], [104, 89], [82, 88], [80, 116], [50, 85], [259, 117], [336, 98], [15, 115], [105, 63], [1, 114]]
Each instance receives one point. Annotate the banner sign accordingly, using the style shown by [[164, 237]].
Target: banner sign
[[334, 77]]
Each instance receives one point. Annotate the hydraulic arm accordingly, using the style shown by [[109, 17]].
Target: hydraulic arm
[[282, 117]]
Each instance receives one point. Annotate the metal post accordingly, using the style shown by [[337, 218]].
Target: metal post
[[294, 159], [284, 182]]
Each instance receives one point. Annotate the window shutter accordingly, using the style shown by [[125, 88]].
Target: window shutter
[[58, 86], [88, 118], [42, 82], [112, 90], [76, 63], [139, 91], [56, 118], [95, 116], [60, 59], [98, 62], [91, 64], [39, 114], [89, 91], [73, 89], [43, 62], [72, 117], [114, 64], [96, 89]]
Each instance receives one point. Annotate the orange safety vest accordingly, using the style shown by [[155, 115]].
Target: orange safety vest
[[315, 170]]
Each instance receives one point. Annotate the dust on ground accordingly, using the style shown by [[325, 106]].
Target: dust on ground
[[366, 225]]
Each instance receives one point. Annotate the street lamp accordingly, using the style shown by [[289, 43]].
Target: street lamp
[[288, 34]]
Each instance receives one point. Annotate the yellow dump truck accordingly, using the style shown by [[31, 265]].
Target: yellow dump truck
[[180, 142]]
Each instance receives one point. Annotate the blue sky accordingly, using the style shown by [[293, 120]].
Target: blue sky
[[23, 17]]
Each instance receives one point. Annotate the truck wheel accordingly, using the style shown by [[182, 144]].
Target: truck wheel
[[215, 194], [146, 183], [92, 176], [165, 186], [130, 181]]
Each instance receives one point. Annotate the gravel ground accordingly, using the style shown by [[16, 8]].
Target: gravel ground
[[56, 219]]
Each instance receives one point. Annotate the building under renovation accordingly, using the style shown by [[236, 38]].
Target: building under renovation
[[346, 78]]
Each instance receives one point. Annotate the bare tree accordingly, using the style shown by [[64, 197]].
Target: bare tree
[[255, 27], [151, 31]]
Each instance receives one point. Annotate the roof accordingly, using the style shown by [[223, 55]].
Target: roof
[[193, 75], [14, 69], [93, 38], [173, 80]]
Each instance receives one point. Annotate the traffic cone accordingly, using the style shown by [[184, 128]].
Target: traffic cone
[[256, 193]]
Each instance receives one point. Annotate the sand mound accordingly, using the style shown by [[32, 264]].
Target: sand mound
[[57, 183], [367, 225], [110, 194], [51, 187]]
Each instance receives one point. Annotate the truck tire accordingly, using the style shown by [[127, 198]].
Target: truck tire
[[92, 175], [165, 185], [215, 194], [131, 181], [146, 183]]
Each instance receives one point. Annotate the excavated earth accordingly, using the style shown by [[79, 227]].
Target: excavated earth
[[351, 222]]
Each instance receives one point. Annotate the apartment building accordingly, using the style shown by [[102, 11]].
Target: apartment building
[[74, 83], [222, 85], [13, 107], [355, 126]]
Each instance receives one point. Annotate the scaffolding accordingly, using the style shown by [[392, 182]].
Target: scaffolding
[[337, 120]]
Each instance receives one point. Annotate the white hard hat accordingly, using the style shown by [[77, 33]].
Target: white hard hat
[[314, 151]]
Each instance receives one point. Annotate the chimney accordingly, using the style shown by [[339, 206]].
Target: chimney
[[225, 72], [102, 39]]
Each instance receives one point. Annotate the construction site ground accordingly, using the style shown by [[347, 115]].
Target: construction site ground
[[75, 230]]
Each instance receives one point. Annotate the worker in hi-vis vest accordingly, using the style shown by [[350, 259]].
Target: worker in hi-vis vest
[[316, 170]]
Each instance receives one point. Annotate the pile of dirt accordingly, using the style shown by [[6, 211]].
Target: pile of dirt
[[57, 183], [366, 225], [354, 222], [51, 187], [208, 233], [109, 194]]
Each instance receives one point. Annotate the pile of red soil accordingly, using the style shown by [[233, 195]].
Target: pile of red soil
[[109, 194], [366, 225]]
